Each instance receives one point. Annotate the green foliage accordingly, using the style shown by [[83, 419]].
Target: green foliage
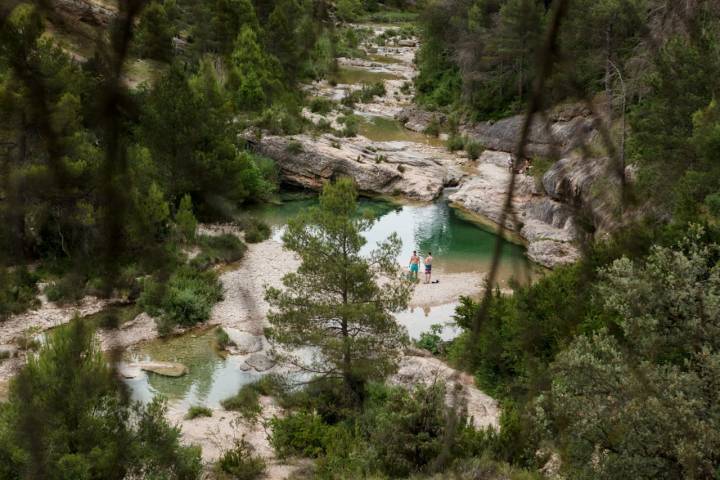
[[185, 300], [455, 143], [348, 10], [473, 148], [365, 94], [197, 411], [18, 291], [239, 463], [615, 391], [185, 221], [87, 429], [246, 401], [320, 303], [350, 125], [255, 75], [299, 434], [321, 105], [222, 339], [155, 32], [256, 231], [68, 289], [431, 340], [214, 249]]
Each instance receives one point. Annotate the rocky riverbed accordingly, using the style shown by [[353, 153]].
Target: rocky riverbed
[[544, 206]]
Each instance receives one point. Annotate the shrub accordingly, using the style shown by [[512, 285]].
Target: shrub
[[351, 125], [433, 128], [431, 341], [299, 434], [321, 105], [69, 289], [226, 248], [240, 463], [246, 401], [18, 291], [473, 149], [185, 221], [186, 300], [256, 231], [198, 411], [222, 339], [455, 143], [294, 147]]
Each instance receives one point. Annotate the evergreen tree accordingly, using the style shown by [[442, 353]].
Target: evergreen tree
[[67, 418], [155, 32], [255, 75], [340, 303]]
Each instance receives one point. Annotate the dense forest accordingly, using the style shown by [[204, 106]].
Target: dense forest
[[125, 138]]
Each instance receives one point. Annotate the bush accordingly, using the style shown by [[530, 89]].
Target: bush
[[226, 248], [431, 340], [186, 300], [246, 401], [256, 231], [185, 221], [455, 143], [294, 147], [299, 434], [473, 149], [69, 289], [198, 411], [222, 339], [321, 105], [351, 125], [240, 463], [18, 291]]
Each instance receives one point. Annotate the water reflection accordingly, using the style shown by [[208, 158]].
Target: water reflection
[[383, 129], [211, 377], [458, 245]]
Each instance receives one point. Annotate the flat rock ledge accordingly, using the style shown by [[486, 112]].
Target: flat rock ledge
[[414, 171], [165, 369]]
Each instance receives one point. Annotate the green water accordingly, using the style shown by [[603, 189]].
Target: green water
[[457, 244], [384, 129], [350, 76], [211, 377]]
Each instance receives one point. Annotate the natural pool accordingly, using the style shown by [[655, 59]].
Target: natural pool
[[384, 129], [458, 245], [351, 76]]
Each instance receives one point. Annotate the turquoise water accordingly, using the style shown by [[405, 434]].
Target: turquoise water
[[457, 244]]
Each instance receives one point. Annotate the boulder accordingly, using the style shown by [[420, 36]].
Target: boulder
[[418, 120], [243, 343], [260, 362], [165, 369], [8, 351]]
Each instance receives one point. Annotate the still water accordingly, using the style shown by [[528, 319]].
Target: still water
[[458, 245]]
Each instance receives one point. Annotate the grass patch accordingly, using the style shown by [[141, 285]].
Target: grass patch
[[294, 147], [538, 167], [389, 16], [473, 149], [222, 339], [197, 411], [321, 105], [455, 143]]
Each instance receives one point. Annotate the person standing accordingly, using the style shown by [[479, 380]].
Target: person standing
[[414, 265], [428, 267]]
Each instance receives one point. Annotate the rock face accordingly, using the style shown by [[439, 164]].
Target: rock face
[[390, 168], [419, 120], [544, 223], [423, 370], [243, 342]]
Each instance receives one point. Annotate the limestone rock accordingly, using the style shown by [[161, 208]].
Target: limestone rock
[[414, 370], [416, 171], [260, 362], [165, 369], [243, 342]]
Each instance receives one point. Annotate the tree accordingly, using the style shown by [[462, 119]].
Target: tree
[[156, 31], [339, 304], [67, 417], [639, 399], [255, 75], [185, 221]]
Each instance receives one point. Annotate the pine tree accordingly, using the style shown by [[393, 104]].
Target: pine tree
[[340, 303]]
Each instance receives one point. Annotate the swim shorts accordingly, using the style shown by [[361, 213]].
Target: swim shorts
[[414, 267], [428, 268]]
